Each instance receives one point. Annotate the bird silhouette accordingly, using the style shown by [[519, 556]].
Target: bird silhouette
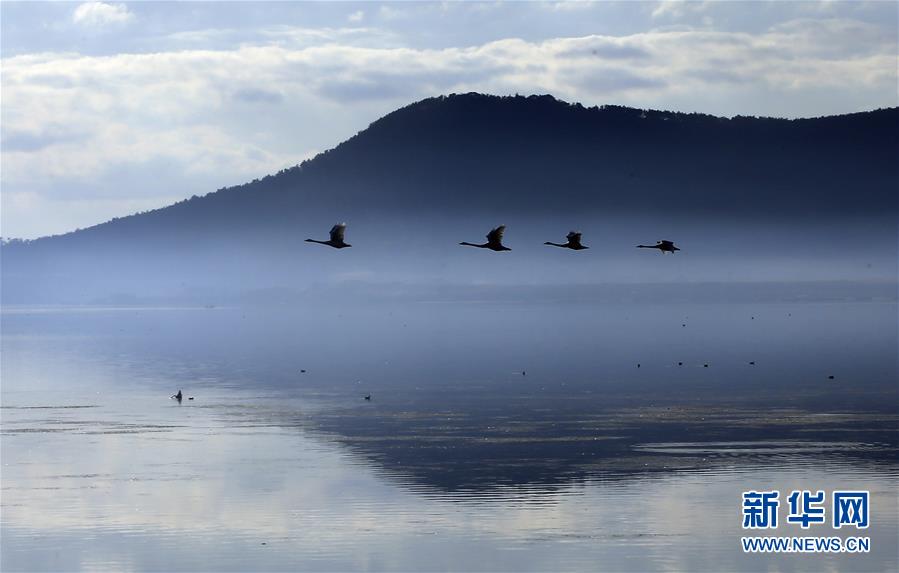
[[494, 240], [336, 239], [574, 242], [178, 396], [663, 246]]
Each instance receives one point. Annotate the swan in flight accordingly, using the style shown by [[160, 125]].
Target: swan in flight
[[574, 242], [336, 239], [494, 240], [663, 247]]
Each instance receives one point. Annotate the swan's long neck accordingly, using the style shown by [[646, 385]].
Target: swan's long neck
[[554, 244], [319, 242], [467, 244], [647, 246]]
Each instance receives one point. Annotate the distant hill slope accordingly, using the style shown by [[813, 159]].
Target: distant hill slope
[[523, 156]]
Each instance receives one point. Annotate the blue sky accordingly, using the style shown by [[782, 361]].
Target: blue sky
[[112, 108]]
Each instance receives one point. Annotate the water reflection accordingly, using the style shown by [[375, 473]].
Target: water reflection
[[276, 470]]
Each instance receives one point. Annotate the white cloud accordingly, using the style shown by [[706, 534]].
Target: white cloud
[[293, 37], [569, 5], [356, 17], [110, 126], [676, 9], [390, 13], [101, 14]]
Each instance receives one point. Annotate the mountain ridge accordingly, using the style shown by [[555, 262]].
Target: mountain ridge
[[742, 196], [440, 123]]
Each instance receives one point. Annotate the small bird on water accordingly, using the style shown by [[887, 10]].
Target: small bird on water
[[368, 397], [494, 240], [336, 240]]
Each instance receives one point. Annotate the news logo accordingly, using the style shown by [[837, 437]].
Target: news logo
[[806, 509], [760, 509], [850, 508]]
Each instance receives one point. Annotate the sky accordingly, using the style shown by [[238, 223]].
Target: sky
[[107, 109]]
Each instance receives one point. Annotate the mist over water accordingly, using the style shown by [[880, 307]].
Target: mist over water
[[418, 257]]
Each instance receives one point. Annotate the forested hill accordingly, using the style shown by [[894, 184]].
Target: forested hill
[[458, 164], [473, 152]]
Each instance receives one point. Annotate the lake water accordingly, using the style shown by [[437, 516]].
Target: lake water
[[498, 436]]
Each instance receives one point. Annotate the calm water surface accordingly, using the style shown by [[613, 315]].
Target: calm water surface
[[498, 437]]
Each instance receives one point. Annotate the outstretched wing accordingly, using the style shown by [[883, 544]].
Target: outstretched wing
[[337, 232], [496, 235], [574, 237], [666, 243]]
